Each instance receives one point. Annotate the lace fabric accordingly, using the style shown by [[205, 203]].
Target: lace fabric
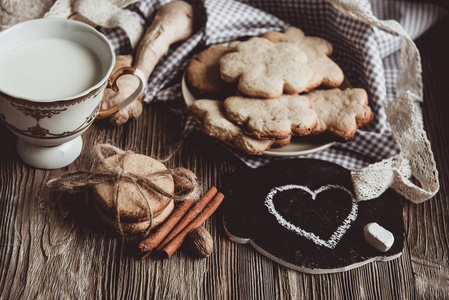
[[411, 173]]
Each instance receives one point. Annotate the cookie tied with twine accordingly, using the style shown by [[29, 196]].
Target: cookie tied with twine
[[133, 193]]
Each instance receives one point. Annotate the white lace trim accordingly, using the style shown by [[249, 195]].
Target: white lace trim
[[412, 173]]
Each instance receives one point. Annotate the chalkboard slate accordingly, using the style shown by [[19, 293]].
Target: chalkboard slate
[[302, 214]]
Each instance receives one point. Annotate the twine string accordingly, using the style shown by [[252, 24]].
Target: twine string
[[77, 180]]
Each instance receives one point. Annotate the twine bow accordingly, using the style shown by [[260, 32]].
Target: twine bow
[[104, 173]]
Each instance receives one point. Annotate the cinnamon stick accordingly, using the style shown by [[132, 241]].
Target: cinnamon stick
[[189, 216], [176, 242], [154, 239]]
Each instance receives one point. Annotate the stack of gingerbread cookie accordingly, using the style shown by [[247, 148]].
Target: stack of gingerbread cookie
[[125, 205], [256, 94]]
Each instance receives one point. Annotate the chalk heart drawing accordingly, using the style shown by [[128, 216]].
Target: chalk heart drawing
[[336, 236]]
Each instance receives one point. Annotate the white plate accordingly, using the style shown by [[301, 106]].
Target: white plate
[[295, 148]]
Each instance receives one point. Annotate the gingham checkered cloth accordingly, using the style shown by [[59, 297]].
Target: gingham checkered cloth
[[368, 56]]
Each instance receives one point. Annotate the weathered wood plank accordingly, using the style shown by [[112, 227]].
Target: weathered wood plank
[[53, 246], [427, 223]]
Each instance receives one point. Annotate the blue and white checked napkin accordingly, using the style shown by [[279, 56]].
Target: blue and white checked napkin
[[368, 56]]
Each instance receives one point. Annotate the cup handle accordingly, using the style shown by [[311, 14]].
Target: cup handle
[[112, 83]]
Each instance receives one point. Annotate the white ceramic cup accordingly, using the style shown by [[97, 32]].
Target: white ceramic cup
[[49, 130]]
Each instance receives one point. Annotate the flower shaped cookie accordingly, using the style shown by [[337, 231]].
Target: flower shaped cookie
[[214, 123], [272, 118], [326, 71], [265, 69], [340, 113]]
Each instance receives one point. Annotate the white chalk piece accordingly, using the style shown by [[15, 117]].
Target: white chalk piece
[[378, 237]]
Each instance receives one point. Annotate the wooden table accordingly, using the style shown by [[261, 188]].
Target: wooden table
[[53, 246]]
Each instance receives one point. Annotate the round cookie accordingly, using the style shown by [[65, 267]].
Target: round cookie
[[132, 205], [131, 228], [203, 74]]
